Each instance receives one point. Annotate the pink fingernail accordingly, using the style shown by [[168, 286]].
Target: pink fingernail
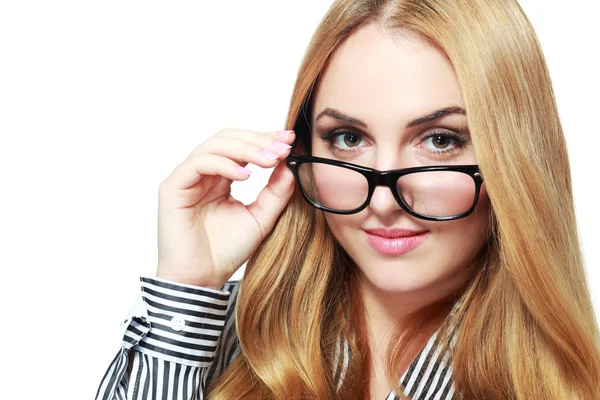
[[283, 134], [243, 170], [281, 146], [269, 155]]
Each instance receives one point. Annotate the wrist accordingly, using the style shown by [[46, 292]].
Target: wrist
[[199, 281]]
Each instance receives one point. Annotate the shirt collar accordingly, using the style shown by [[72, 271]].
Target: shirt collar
[[430, 373]]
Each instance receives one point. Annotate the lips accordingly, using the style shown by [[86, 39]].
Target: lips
[[393, 233], [394, 241]]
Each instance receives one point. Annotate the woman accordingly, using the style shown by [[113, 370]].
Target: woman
[[427, 250]]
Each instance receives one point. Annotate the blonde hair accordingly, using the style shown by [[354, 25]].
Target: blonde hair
[[528, 329]]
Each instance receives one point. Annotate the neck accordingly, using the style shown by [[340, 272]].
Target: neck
[[384, 309]]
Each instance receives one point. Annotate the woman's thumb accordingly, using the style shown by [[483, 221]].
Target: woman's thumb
[[273, 198]]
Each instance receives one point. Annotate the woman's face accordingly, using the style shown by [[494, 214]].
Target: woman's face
[[371, 91]]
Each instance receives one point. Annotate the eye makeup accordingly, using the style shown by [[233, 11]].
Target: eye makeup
[[435, 142]]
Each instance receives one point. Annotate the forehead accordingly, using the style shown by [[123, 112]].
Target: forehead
[[387, 79]]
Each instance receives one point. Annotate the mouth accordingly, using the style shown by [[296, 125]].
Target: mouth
[[395, 241]]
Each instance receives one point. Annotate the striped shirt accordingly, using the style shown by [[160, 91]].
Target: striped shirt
[[181, 337]]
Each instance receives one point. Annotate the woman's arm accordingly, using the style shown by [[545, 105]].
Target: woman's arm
[[172, 341]]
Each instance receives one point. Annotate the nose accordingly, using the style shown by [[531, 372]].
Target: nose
[[383, 201]]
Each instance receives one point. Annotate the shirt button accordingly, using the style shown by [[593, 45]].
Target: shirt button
[[177, 323]]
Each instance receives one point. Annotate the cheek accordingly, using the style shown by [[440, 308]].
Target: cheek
[[460, 240], [343, 226]]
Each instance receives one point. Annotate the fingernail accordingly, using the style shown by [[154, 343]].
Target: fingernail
[[281, 146], [269, 155], [243, 170], [283, 134]]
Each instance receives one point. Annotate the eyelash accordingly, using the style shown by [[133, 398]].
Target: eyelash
[[460, 140]]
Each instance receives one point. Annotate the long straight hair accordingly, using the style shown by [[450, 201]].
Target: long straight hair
[[528, 328]]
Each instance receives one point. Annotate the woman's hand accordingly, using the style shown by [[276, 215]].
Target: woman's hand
[[204, 234]]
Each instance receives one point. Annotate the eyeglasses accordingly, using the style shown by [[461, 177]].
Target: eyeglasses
[[433, 193]]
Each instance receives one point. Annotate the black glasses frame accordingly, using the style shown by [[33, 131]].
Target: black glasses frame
[[386, 178]]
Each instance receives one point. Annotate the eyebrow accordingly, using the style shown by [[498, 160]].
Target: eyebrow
[[437, 114]]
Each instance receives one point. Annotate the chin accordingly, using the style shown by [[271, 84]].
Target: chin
[[415, 274], [399, 277]]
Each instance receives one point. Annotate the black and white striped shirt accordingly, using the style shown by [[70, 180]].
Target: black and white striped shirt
[[180, 337]]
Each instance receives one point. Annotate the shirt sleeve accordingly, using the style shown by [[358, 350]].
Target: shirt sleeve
[[174, 334]]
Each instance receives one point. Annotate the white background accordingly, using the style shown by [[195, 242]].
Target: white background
[[99, 101]]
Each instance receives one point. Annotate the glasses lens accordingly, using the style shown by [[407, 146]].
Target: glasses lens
[[437, 193], [333, 187]]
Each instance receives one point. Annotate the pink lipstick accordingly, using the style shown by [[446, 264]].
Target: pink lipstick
[[394, 241]]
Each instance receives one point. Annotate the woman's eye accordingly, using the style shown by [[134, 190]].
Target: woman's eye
[[348, 139], [443, 141]]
